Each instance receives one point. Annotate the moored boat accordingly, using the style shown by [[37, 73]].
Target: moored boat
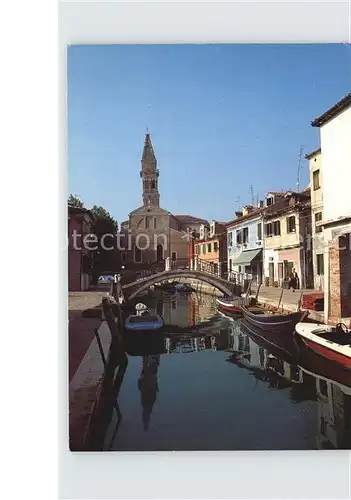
[[232, 305], [272, 320], [331, 342], [147, 323]]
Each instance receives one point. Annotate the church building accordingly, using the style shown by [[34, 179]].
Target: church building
[[154, 232]]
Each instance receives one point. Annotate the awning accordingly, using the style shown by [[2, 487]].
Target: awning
[[247, 257]]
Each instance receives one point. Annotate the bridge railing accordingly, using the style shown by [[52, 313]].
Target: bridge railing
[[180, 264]]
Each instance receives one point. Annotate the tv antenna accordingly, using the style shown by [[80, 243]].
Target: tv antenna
[[237, 201], [299, 166], [252, 195]]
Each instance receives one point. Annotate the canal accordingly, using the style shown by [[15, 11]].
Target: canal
[[220, 390]]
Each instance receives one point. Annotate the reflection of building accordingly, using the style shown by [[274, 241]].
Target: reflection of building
[[148, 386], [334, 415]]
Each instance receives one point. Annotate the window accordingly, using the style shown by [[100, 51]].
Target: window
[[147, 222], [174, 255], [320, 263], [239, 269], [276, 228], [316, 180], [245, 235], [212, 229], [203, 248], [209, 249], [153, 185], [137, 255], [259, 231], [291, 224], [239, 239], [230, 265], [280, 270], [215, 246], [154, 222], [318, 218], [269, 229], [269, 201], [198, 249], [230, 239]]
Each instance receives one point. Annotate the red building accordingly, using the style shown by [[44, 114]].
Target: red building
[[80, 257]]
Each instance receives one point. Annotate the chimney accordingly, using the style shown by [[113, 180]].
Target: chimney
[[238, 214], [247, 209]]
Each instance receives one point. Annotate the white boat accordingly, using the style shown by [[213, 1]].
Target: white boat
[[331, 342]]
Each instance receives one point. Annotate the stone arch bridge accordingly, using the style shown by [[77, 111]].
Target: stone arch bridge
[[134, 287]]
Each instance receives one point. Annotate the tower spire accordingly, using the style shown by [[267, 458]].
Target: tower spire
[[149, 174], [148, 151]]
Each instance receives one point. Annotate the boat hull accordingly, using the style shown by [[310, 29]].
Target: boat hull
[[231, 306], [292, 349], [284, 323], [135, 324], [330, 354]]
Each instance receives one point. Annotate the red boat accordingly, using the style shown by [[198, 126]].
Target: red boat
[[232, 305], [333, 343], [292, 349]]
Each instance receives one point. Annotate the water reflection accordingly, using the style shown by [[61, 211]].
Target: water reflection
[[265, 396], [148, 387]]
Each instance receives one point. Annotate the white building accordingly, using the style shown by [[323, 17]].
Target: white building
[[335, 137], [316, 189]]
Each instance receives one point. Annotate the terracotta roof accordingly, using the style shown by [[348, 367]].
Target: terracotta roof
[[254, 213], [313, 153], [190, 219], [332, 112], [277, 193]]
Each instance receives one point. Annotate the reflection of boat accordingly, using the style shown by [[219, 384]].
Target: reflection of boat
[[344, 388], [184, 288], [145, 345], [268, 320], [330, 342], [291, 349], [282, 346]]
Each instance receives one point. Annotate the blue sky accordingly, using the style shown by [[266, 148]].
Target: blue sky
[[221, 118]]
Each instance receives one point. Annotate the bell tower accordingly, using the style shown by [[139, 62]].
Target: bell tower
[[149, 174]]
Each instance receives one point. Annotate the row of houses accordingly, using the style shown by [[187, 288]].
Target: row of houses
[[307, 232]]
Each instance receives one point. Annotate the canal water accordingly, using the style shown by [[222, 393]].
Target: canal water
[[219, 390]]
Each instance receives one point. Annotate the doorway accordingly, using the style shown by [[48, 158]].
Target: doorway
[[159, 252], [271, 273]]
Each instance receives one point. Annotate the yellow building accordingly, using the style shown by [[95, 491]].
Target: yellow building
[[287, 239]]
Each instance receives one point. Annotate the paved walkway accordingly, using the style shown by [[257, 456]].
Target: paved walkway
[[290, 300], [81, 329]]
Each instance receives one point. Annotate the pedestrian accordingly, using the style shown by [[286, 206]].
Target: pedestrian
[[293, 280]]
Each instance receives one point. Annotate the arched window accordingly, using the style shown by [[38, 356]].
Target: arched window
[[137, 254]]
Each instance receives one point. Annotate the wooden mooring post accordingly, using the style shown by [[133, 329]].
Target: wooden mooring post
[[280, 298]]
